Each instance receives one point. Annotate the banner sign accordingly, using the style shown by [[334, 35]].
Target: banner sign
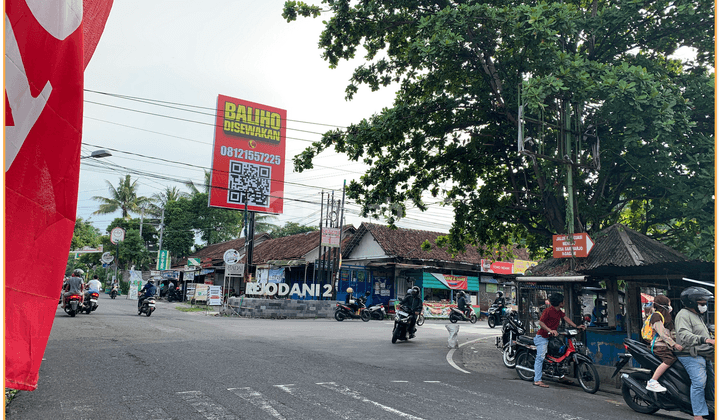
[[189, 276], [235, 269], [579, 246], [248, 164], [136, 284], [452, 282], [172, 275], [520, 266], [330, 237], [163, 260], [201, 292], [214, 295], [194, 262]]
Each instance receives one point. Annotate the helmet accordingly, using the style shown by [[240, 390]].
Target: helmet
[[349, 290], [78, 272], [409, 291], [500, 294], [556, 299], [556, 347], [415, 290], [692, 294], [151, 281]]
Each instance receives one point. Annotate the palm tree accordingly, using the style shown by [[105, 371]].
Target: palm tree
[[160, 200], [123, 198]]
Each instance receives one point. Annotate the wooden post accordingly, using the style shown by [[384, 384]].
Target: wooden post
[[613, 301], [633, 309]]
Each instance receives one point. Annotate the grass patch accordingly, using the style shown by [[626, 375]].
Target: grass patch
[[191, 308], [9, 395]]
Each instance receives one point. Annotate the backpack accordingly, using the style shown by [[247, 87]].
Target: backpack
[[647, 331]]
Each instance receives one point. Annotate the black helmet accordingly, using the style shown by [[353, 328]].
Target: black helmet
[[556, 347], [692, 294], [556, 299], [415, 290], [500, 294]]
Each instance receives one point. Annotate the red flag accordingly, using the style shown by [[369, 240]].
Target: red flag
[[44, 63]]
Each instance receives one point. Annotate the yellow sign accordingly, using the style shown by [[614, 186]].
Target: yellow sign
[[520, 266]]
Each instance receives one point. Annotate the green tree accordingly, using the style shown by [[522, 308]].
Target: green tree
[[131, 251], [84, 234], [640, 124], [290, 228], [150, 234], [161, 199], [179, 235], [123, 198]]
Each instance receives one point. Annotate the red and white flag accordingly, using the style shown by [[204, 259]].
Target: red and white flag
[[48, 43]]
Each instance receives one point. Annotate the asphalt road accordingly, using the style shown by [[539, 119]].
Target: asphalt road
[[114, 364]]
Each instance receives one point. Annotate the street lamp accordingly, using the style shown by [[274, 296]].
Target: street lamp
[[97, 154]]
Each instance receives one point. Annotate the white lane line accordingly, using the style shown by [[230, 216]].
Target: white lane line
[[401, 382], [353, 394], [208, 409], [344, 415], [144, 408], [449, 356], [432, 382], [255, 398]]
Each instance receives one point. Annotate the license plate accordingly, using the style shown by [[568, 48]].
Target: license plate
[[152, 305], [93, 300]]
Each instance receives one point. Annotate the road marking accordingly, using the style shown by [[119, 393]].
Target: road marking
[[449, 356], [403, 382], [208, 409], [432, 382], [344, 415], [79, 412], [354, 394], [143, 407], [255, 398]]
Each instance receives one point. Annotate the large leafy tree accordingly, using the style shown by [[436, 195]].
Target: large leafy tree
[[124, 197], [602, 102], [290, 228], [84, 234]]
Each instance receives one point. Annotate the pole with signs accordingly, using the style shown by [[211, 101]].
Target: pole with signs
[[117, 235]]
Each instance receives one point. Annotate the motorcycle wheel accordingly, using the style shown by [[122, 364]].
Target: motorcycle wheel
[[377, 315], [365, 315], [509, 357], [525, 359], [491, 321], [453, 319], [395, 335], [635, 401], [588, 376], [339, 316], [88, 310], [139, 311], [473, 318], [148, 312], [420, 320]]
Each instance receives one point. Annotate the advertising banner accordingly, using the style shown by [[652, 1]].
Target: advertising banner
[[520, 266], [248, 163], [214, 295], [330, 237], [452, 282]]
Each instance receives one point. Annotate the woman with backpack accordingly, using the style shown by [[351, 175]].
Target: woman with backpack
[[663, 340]]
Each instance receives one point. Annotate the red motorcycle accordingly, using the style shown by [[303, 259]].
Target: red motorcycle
[[72, 304], [562, 355]]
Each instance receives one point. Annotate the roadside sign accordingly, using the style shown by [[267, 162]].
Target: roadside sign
[[235, 269], [563, 246], [214, 295], [104, 265], [107, 257], [163, 261], [231, 256], [330, 237], [194, 262], [117, 235]]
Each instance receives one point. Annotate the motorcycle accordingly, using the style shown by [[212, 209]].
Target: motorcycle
[[507, 343], [675, 379], [570, 355], [377, 311], [401, 327], [114, 292], [147, 307], [353, 310], [458, 315], [90, 302], [496, 313], [72, 304], [175, 295]]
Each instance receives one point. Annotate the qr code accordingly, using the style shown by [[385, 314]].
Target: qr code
[[251, 181]]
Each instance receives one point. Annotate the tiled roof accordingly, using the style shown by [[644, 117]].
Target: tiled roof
[[294, 246], [216, 251], [406, 243]]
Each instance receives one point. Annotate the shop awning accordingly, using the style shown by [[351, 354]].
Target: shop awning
[[447, 282], [551, 279]]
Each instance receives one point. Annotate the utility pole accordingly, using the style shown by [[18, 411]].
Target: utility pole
[[316, 268], [162, 228]]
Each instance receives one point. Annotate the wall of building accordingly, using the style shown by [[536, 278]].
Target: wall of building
[[282, 308]]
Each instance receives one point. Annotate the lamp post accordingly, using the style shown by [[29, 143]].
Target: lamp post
[[97, 154]]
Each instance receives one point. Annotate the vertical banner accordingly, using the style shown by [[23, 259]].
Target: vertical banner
[[248, 156], [46, 50]]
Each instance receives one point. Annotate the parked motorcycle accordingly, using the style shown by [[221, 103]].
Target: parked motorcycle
[[147, 307], [90, 303], [114, 292], [675, 379], [353, 310], [377, 311], [507, 343], [72, 304], [403, 318], [175, 295], [569, 355], [496, 313], [458, 315]]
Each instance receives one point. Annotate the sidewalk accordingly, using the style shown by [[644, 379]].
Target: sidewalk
[[483, 357]]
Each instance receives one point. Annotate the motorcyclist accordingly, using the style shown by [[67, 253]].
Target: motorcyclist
[[698, 347], [499, 301], [412, 302], [462, 302], [94, 285], [149, 290], [74, 285]]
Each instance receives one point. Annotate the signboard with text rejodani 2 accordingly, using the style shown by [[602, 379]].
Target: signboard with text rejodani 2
[[248, 156]]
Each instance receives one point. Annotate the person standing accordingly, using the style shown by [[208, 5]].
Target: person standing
[[549, 322], [698, 347]]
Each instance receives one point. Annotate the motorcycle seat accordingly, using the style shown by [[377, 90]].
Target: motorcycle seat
[[677, 368], [525, 340]]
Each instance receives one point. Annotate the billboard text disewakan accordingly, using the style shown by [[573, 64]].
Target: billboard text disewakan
[[248, 156]]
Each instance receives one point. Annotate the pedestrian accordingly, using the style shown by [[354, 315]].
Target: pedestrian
[[549, 322], [663, 341], [698, 347]]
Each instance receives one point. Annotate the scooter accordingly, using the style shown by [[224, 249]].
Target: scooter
[[675, 379], [377, 311], [496, 314], [147, 307], [568, 357], [507, 343], [114, 292], [72, 304], [458, 315], [353, 310], [175, 295], [90, 302], [403, 318]]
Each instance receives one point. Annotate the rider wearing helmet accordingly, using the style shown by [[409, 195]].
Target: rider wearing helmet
[[499, 300], [462, 302], [149, 291], [413, 303], [549, 322], [74, 285], [698, 346]]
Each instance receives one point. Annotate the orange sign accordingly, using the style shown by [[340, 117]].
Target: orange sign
[[579, 246]]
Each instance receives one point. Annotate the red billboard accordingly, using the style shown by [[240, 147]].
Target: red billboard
[[248, 163]]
